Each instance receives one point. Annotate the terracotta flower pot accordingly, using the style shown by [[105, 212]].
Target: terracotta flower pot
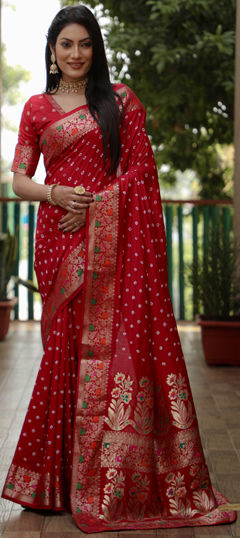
[[221, 341], [5, 310]]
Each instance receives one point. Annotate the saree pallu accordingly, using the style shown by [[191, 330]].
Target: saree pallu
[[111, 431]]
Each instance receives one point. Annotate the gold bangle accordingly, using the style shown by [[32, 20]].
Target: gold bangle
[[49, 194]]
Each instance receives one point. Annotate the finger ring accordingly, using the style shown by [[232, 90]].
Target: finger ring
[[79, 189], [73, 204]]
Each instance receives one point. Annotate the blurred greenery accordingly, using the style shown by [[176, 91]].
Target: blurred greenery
[[11, 78], [178, 56], [213, 279]]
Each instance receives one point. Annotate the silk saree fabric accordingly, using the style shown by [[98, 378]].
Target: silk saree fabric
[[111, 431]]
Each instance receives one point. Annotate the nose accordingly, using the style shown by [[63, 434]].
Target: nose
[[76, 52]]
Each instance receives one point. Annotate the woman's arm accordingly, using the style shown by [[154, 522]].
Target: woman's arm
[[63, 196], [26, 188]]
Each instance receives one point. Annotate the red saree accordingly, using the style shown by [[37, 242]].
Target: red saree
[[111, 431]]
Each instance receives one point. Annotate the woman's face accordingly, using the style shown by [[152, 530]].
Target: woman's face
[[73, 51]]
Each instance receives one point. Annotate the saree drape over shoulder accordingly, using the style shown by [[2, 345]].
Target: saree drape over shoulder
[[111, 431]]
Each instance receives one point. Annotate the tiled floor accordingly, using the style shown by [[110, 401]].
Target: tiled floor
[[216, 393]]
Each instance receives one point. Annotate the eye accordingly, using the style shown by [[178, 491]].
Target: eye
[[87, 44], [66, 45]]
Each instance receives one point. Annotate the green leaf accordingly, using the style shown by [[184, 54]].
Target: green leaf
[[178, 57]]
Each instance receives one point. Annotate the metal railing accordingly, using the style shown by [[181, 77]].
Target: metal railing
[[187, 225], [19, 217]]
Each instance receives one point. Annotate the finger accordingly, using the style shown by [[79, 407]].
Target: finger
[[79, 205], [74, 228], [69, 216], [77, 212], [86, 195], [85, 200], [70, 225], [65, 219], [75, 220], [70, 228], [71, 219]]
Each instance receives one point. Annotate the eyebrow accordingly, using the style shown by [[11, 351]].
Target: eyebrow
[[80, 40]]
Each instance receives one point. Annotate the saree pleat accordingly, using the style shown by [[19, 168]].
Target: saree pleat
[[41, 471], [111, 432]]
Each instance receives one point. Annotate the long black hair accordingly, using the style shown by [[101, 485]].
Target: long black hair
[[99, 91]]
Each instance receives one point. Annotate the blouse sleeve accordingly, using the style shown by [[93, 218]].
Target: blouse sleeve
[[27, 150]]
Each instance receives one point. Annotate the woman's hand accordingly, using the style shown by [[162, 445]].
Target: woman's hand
[[67, 198], [71, 222]]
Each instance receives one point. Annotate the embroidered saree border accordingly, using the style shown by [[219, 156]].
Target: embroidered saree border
[[132, 449], [96, 355], [63, 133], [69, 279], [23, 484], [50, 98]]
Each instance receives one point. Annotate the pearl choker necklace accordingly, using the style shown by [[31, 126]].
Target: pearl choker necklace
[[72, 87]]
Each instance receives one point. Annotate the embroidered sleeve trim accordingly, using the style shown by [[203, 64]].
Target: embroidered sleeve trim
[[25, 160]]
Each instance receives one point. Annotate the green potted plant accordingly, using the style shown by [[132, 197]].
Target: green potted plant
[[217, 290], [8, 256]]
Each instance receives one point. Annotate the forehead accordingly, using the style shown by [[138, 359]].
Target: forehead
[[73, 31]]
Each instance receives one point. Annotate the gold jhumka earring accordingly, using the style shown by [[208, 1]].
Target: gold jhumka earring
[[53, 67]]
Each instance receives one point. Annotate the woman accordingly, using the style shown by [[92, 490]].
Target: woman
[[111, 432]]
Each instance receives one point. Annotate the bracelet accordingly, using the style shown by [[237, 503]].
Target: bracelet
[[49, 194]]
